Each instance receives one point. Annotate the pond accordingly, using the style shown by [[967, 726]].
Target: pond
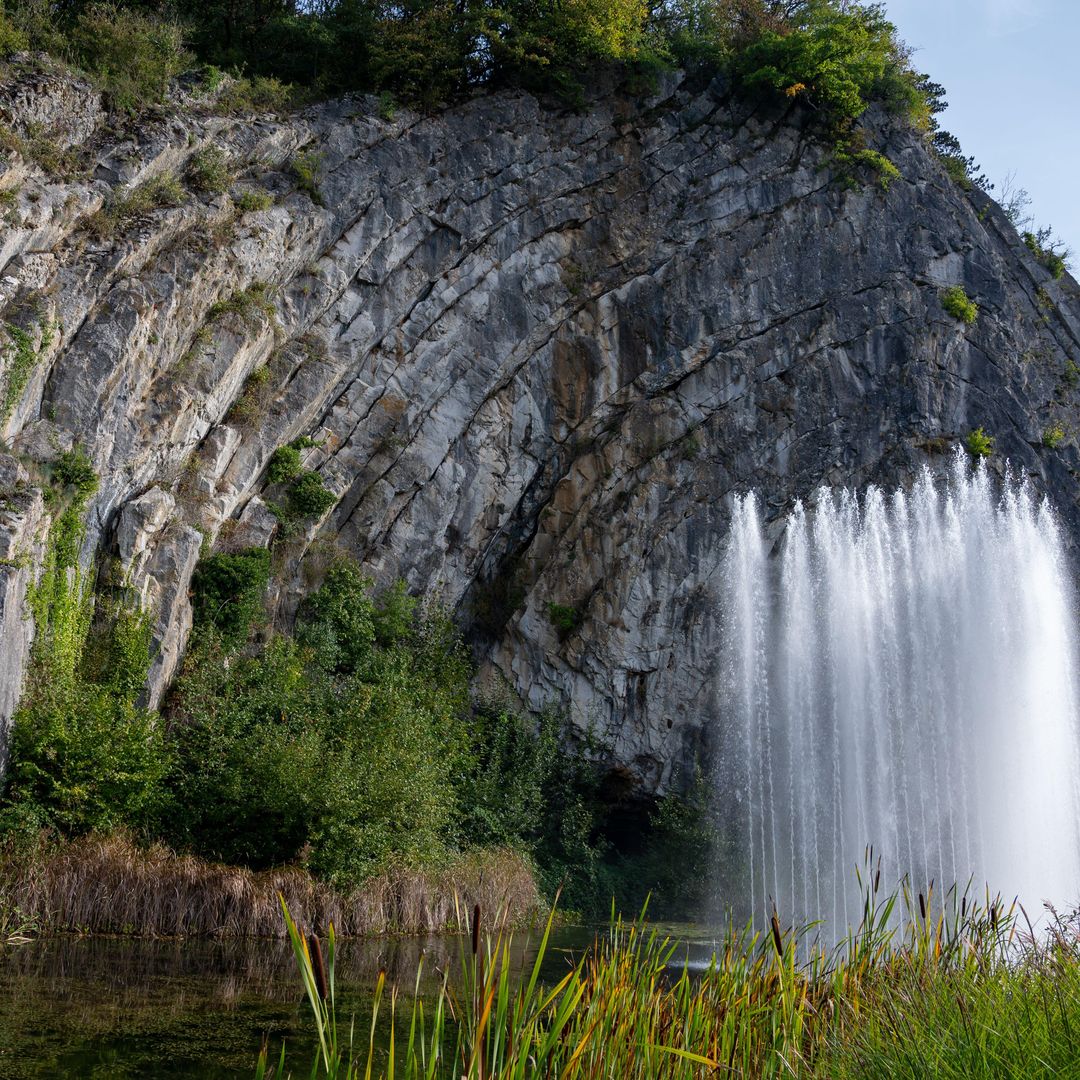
[[123, 1008]]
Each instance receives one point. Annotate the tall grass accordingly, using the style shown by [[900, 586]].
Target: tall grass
[[16, 928], [110, 885], [923, 987]]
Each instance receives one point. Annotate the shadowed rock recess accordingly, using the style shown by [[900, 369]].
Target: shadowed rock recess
[[538, 352]]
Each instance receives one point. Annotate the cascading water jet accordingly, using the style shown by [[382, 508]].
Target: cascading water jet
[[902, 675]]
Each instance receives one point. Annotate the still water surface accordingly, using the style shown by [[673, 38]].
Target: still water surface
[[120, 1008]]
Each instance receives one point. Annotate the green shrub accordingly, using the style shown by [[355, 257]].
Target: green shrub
[[250, 407], [132, 56], [338, 621], [257, 94], [209, 172], [958, 169], [12, 39], [853, 160], [83, 756], [394, 617], [251, 201], [308, 496], [564, 618], [158, 193], [228, 591], [1053, 436], [957, 303], [1051, 254], [305, 170], [74, 470], [979, 444], [284, 465], [85, 759], [246, 303], [387, 107], [335, 749], [21, 361], [837, 56]]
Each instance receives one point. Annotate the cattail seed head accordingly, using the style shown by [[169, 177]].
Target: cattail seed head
[[318, 967]]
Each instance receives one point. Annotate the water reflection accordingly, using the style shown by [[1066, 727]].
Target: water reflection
[[107, 1007]]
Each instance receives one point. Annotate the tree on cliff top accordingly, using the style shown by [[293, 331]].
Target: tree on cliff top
[[837, 55]]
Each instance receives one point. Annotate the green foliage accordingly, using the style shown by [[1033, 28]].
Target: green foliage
[[837, 56], [1053, 436], [348, 748], [962, 169], [538, 784], [853, 159], [228, 590], [339, 748], [284, 465], [84, 756], [538, 787], [564, 618], [21, 361], [957, 303], [246, 303], [12, 39], [131, 55], [85, 759], [250, 407], [250, 201], [979, 444], [209, 172], [73, 469], [37, 145], [505, 790], [157, 193], [338, 621], [387, 107], [886, 171], [60, 603], [308, 496], [258, 94], [1050, 253], [305, 169]]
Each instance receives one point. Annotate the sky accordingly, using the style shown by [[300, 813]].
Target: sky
[[1009, 70]]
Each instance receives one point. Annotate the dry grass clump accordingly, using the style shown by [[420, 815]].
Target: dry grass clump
[[111, 885]]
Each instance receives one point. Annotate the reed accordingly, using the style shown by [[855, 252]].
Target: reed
[[924, 986], [111, 885], [16, 927]]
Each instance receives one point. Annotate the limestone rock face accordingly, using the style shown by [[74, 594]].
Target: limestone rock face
[[538, 353]]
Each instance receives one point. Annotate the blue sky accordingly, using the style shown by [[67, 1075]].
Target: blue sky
[[1009, 68]]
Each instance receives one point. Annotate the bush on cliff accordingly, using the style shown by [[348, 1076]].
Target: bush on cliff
[[838, 55]]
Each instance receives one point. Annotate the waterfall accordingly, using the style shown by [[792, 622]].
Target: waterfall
[[901, 674]]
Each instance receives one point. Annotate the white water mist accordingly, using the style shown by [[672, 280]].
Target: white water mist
[[903, 675]]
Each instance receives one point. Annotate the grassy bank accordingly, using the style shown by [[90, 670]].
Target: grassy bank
[[110, 885], [963, 991]]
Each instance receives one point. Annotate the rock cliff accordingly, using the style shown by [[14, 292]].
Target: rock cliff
[[537, 352]]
